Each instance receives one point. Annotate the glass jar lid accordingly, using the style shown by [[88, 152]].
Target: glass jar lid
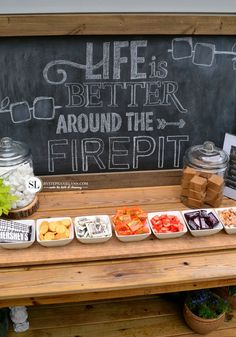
[[12, 152], [206, 156]]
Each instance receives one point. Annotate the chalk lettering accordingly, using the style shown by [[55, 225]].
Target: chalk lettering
[[123, 152], [92, 148], [161, 152], [153, 96], [74, 152], [117, 151], [76, 96], [177, 140], [170, 88], [52, 156], [93, 122], [103, 63], [133, 92], [158, 70], [139, 121], [140, 150], [82, 123], [135, 60], [118, 60], [113, 86], [155, 93], [93, 92]]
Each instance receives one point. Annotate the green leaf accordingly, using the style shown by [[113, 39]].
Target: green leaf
[[6, 198]]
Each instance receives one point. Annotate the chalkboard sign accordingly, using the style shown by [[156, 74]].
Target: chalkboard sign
[[106, 104]]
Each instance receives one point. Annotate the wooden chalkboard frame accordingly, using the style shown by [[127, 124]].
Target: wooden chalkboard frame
[[112, 24], [117, 24]]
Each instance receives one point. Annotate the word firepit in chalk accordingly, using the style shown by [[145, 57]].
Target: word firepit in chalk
[[111, 104]]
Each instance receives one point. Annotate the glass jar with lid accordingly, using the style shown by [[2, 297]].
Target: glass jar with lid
[[207, 158], [16, 168], [202, 182]]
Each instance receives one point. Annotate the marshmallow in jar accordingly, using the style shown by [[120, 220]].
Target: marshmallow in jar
[[16, 168]]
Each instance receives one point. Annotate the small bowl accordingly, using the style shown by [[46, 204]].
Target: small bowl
[[229, 230], [54, 243], [203, 232], [20, 245], [168, 235], [104, 218], [132, 238]]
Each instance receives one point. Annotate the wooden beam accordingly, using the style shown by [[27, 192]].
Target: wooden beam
[[122, 278], [94, 181], [120, 24]]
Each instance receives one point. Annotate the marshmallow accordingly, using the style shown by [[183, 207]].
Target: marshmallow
[[16, 180]]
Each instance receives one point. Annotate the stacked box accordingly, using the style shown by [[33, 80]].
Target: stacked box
[[199, 187], [214, 193], [188, 174], [197, 191]]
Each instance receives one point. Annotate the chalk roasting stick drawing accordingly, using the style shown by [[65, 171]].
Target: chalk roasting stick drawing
[[202, 54], [44, 108]]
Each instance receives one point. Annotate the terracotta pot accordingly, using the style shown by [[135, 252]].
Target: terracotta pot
[[202, 325]]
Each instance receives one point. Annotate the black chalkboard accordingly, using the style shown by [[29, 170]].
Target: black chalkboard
[[94, 104]]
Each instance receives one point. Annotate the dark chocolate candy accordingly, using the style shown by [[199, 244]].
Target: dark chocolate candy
[[213, 219], [201, 220], [192, 225]]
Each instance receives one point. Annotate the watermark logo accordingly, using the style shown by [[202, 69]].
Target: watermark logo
[[34, 184]]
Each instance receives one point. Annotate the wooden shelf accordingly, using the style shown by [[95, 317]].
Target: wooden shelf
[[149, 316]]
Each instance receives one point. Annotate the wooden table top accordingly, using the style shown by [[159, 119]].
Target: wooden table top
[[81, 272]]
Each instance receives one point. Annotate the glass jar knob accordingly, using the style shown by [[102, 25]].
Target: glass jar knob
[[208, 146], [6, 142]]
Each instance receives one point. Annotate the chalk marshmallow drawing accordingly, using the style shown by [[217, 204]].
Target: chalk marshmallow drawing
[[202, 54], [43, 108]]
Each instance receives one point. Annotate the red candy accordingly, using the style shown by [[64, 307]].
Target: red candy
[[166, 223]]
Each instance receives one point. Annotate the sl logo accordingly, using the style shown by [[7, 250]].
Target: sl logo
[[34, 184]]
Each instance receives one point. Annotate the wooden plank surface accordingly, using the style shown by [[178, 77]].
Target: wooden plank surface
[[99, 313], [71, 274], [95, 181], [150, 316], [114, 249], [105, 202], [112, 24], [73, 203]]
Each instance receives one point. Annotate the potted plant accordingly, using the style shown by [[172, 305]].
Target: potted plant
[[232, 297], [204, 311], [228, 293], [6, 198]]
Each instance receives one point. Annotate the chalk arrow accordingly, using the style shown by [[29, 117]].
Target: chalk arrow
[[162, 123]]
